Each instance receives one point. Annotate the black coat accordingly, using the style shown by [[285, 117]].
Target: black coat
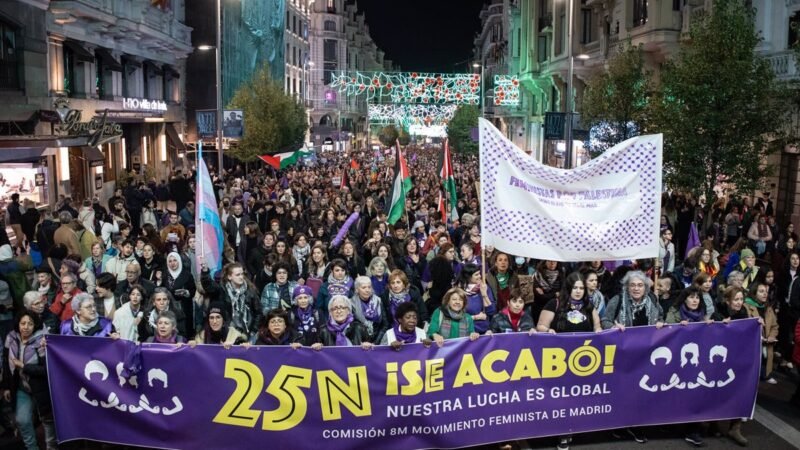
[[416, 298], [356, 332], [502, 324]]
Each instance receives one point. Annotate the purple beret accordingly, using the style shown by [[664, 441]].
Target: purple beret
[[302, 290]]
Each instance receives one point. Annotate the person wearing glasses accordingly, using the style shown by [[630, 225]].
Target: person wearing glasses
[[85, 321], [342, 329], [274, 329], [62, 305]]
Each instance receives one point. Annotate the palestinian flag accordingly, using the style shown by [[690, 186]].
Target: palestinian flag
[[449, 181], [400, 187], [283, 160]]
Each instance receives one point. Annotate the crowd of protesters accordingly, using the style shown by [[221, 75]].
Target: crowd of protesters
[[311, 261]]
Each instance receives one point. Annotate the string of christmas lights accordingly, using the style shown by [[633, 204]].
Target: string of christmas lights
[[411, 87], [506, 90], [407, 115]]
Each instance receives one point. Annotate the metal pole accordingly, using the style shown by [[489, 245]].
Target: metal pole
[[219, 87], [570, 98], [483, 91]]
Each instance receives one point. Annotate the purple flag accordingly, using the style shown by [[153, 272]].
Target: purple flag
[[506, 387], [694, 238]]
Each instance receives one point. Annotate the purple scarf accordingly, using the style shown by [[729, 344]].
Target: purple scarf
[[339, 329], [691, 316], [371, 308], [395, 300], [406, 338], [305, 322], [172, 339]]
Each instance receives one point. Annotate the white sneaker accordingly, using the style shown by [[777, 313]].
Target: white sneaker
[[789, 366], [772, 381]]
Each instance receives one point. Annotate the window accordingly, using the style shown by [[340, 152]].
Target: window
[[541, 49], [99, 85], [329, 52], [294, 24], [69, 71], [327, 74], [9, 58], [639, 12], [332, 6], [794, 30], [518, 42], [330, 25], [287, 21], [586, 26]]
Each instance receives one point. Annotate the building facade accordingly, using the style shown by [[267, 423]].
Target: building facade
[[119, 65], [297, 48], [340, 43]]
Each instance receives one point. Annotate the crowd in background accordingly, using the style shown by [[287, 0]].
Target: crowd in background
[[311, 261]]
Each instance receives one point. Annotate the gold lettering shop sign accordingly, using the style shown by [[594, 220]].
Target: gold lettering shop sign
[[98, 130]]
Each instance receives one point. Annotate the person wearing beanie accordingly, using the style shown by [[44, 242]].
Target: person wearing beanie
[[747, 265], [217, 330], [304, 318]]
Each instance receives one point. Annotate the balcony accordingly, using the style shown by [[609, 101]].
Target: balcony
[[133, 23], [784, 65]]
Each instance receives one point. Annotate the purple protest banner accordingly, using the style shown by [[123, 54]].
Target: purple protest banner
[[505, 387]]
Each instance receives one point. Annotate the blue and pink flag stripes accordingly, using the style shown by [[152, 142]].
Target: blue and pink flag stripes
[[206, 223]]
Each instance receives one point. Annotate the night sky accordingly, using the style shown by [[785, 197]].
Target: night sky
[[424, 35]]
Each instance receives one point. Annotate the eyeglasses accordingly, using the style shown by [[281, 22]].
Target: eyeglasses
[[67, 282], [340, 308], [277, 321], [89, 307]]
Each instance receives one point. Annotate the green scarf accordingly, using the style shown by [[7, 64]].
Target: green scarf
[[752, 302], [502, 280]]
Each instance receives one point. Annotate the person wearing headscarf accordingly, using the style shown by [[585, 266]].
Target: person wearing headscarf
[[341, 328], [180, 283], [368, 309], [25, 383], [274, 329], [405, 330], [304, 318], [85, 321], [217, 330]]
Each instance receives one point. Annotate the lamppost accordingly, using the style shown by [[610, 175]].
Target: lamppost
[[570, 100], [306, 97], [483, 84], [218, 64]]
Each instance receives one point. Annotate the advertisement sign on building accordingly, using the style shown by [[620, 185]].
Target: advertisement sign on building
[[233, 123], [206, 123]]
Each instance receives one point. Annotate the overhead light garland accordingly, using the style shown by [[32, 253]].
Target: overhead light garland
[[407, 115], [411, 87], [506, 90]]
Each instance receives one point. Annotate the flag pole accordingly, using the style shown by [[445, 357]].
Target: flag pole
[[200, 190]]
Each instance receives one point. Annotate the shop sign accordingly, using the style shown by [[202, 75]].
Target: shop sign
[[141, 104], [98, 130]]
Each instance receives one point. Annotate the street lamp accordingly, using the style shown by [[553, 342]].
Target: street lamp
[[570, 100], [218, 64], [483, 84], [306, 97]]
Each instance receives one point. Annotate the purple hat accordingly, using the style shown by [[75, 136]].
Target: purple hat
[[302, 290]]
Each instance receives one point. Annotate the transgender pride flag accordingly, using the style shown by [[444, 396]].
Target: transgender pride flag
[[208, 228]]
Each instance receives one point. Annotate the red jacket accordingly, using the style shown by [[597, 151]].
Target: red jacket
[[64, 310]]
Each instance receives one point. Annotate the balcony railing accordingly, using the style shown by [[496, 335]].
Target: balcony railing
[[784, 65]]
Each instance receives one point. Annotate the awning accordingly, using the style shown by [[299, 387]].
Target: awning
[[81, 54], [21, 155], [153, 69], [130, 62], [109, 62], [172, 135], [171, 72], [93, 155]]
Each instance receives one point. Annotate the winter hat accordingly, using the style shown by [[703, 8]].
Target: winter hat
[[302, 290], [746, 253], [417, 224], [217, 308]]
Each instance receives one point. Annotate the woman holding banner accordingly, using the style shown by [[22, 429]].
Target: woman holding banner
[[25, 383], [85, 321], [450, 321], [342, 329], [406, 330], [304, 318], [217, 330], [161, 300], [274, 329]]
